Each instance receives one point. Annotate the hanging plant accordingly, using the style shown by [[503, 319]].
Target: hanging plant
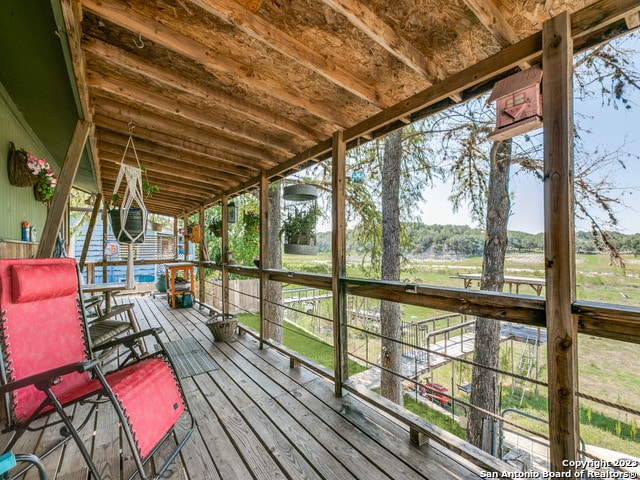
[[215, 227], [46, 183], [251, 220]]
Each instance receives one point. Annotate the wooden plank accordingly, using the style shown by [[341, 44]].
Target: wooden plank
[[63, 189], [609, 321], [347, 444], [562, 335], [208, 449], [338, 265], [264, 249], [106, 450], [97, 204], [73, 465], [342, 415]]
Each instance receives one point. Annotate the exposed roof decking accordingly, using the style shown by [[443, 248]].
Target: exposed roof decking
[[216, 86]]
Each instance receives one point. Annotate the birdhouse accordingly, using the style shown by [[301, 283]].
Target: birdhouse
[[518, 104]]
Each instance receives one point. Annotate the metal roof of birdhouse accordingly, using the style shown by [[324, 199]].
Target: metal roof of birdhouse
[[516, 82]]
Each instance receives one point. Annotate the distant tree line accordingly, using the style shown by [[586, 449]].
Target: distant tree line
[[466, 241]]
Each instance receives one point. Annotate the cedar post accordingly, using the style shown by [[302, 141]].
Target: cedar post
[[557, 57], [63, 189], [264, 249], [225, 255], [97, 201], [338, 225], [201, 270]]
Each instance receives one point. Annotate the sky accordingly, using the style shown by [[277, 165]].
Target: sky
[[609, 128]]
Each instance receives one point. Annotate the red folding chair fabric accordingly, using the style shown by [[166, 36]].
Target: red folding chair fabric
[[43, 330]]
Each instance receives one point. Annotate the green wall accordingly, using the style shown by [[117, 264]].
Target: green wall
[[17, 203]]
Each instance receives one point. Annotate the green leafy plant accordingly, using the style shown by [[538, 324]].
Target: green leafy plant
[[301, 221], [215, 227]]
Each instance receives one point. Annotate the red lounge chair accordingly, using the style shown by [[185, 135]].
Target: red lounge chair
[[48, 364]]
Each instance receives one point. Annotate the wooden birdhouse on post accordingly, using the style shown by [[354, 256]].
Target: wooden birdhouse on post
[[518, 104]]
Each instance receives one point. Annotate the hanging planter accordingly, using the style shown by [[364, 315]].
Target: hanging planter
[[299, 193], [20, 174], [133, 231], [299, 231]]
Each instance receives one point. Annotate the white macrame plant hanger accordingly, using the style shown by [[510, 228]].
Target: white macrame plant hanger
[[133, 197]]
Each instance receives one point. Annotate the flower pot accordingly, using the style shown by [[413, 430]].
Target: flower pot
[[17, 169], [161, 283], [134, 227], [301, 245], [156, 226]]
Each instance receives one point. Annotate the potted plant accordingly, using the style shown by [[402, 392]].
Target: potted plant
[[136, 223], [299, 230], [45, 186], [215, 227]]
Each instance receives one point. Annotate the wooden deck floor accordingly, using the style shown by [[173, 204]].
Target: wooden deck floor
[[257, 418]]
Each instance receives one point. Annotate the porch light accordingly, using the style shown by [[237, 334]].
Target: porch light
[[232, 212]]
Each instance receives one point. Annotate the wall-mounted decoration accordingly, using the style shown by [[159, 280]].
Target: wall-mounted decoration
[[518, 104], [18, 167]]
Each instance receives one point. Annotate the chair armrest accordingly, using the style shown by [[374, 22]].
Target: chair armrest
[[129, 340], [44, 380], [115, 310]]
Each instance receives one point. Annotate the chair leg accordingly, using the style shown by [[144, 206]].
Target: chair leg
[[74, 434]]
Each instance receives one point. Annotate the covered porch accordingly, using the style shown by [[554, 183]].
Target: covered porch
[[213, 127]]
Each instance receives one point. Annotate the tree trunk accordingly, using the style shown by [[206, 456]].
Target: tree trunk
[[484, 383], [391, 359], [273, 293]]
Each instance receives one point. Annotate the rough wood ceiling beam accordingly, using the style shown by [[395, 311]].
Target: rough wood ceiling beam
[[174, 189], [384, 35], [490, 17], [256, 157], [113, 55], [170, 105], [160, 159], [179, 158], [122, 15], [111, 165], [72, 15], [211, 156], [156, 165], [263, 31], [633, 21]]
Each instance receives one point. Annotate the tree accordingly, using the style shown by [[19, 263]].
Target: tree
[[273, 293], [391, 328], [484, 382]]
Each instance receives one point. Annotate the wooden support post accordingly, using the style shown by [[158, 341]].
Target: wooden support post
[[185, 242], [105, 229], [201, 270], [175, 238], [97, 201], [225, 255], [339, 291], [264, 250], [63, 189], [557, 60]]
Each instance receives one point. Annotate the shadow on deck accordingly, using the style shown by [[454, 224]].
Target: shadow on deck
[[258, 418]]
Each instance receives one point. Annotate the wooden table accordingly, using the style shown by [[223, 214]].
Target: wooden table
[[172, 271], [107, 289], [536, 283]]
